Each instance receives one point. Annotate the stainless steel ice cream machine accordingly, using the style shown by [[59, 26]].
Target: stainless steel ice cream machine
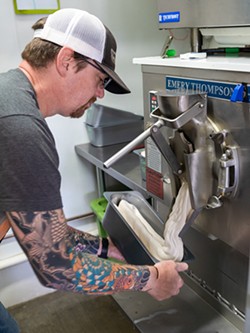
[[197, 128]]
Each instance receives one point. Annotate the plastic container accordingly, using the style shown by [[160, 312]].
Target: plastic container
[[121, 233], [100, 115], [107, 126], [99, 207]]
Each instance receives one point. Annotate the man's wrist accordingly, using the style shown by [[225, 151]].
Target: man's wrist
[[153, 277]]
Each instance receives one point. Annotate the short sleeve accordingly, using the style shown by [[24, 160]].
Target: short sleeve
[[29, 175]]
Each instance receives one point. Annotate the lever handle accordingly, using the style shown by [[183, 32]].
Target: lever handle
[[228, 173], [130, 146]]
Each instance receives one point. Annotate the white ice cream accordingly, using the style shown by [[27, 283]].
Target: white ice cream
[[171, 246]]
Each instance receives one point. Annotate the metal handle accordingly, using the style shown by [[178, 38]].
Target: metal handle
[[228, 173], [130, 146]]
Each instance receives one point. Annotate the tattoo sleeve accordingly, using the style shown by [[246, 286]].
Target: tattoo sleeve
[[65, 258]]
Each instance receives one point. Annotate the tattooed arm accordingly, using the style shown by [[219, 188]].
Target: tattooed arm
[[65, 258]]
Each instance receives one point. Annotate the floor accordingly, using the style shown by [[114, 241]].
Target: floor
[[62, 312]]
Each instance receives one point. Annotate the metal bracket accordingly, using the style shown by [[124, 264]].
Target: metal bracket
[[166, 151], [180, 120]]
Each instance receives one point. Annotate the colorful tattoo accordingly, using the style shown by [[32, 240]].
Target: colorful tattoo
[[94, 275], [65, 258]]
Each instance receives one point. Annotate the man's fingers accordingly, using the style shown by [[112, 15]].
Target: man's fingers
[[181, 266]]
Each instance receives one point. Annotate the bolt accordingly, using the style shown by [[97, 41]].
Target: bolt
[[228, 153], [224, 157], [167, 180]]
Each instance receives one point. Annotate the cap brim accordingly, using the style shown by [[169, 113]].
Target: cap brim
[[116, 85]]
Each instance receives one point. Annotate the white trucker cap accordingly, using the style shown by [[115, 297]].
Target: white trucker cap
[[88, 36]]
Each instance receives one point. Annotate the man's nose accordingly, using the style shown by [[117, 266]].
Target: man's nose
[[100, 92]]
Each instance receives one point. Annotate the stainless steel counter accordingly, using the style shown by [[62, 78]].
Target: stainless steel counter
[[126, 170]]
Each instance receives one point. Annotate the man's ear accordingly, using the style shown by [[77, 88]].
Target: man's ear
[[63, 60]]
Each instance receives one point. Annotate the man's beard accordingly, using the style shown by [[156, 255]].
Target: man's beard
[[80, 111]]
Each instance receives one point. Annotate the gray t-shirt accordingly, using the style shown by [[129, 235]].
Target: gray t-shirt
[[29, 176]]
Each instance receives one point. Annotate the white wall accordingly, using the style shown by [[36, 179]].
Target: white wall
[[134, 24]]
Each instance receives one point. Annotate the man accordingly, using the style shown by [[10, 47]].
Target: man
[[65, 69]]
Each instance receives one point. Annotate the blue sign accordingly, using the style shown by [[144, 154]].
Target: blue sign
[[213, 89], [169, 17]]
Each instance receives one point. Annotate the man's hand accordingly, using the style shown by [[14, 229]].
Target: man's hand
[[165, 281]]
